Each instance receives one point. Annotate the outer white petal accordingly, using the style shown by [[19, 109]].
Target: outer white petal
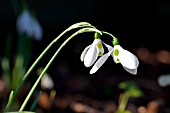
[[100, 62], [91, 56], [108, 46], [84, 53], [127, 59], [132, 71]]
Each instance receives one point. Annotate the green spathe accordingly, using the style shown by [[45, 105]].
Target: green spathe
[[97, 35]]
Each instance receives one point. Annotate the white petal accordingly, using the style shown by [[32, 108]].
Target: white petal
[[47, 82], [91, 56], [108, 46], [84, 52], [96, 41], [126, 58], [100, 62], [132, 71]]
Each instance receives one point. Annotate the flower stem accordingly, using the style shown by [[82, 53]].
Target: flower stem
[[115, 40], [36, 62], [77, 25], [108, 34], [52, 59], [123, 101], [10, 100]]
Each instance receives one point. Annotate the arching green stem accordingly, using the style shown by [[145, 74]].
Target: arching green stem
[[10, 100], [108, 34], [74, 26], [115, 40], [52, 59]]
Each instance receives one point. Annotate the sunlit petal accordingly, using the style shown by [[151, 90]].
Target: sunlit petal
[[132, 71], [91, 56], [84, 53], [128, 59], [100, 62]]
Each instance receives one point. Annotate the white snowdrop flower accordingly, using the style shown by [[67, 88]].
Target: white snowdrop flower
[[91, 52], [128, 60], [35, 30], [47, 82], [24, 21], [29, 25]]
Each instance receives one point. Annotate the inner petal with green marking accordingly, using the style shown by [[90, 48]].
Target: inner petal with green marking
[[115, 54], [99, 45]]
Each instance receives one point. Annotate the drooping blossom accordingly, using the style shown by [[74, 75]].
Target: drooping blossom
[[29, 25], [91, 52], [127, 59], [47, 82]]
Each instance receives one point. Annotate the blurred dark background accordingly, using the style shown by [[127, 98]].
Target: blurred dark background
[[140, 26], [143, 23]]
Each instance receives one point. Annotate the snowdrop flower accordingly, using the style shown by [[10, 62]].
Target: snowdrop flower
[[128, 60], [36, 30], [47, 82], [91, 52], [23, 21], [29, 25]]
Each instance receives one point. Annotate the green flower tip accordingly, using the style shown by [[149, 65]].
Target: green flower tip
[[97, 35], [115, 41]]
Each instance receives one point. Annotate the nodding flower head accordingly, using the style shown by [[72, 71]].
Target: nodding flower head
[[29, 25], [47, 82], [91, 52], [128, 60]]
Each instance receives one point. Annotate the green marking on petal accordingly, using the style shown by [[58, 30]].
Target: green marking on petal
[[99, 45], [116, 52], [117, 60], [100, 53]]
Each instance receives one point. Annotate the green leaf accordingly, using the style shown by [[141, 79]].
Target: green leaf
[[131, 88], [133, 92], [6, 71]]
